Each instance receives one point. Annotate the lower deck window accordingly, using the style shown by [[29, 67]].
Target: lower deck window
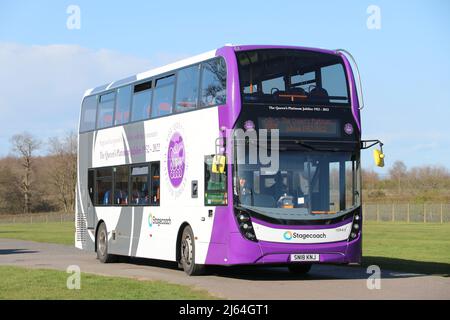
[[121, 185], [139, 185], [127, 185], [103, 186], [155, 176]]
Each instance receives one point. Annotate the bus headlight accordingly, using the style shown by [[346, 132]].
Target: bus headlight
[[356, 226], [245, 225], [243, 217]]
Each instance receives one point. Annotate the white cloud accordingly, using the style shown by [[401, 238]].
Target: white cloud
[[41, 86]]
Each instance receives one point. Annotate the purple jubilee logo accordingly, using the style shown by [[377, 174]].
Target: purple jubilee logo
[[176, 160], [348, 128]]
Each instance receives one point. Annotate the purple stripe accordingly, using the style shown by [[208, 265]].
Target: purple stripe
[[229, 112], [224, 220], [297, 227]]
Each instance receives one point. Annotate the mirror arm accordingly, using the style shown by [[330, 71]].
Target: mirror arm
[[367, 144]]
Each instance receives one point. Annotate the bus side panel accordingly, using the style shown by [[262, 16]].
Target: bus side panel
[[151, 231], [161, 225]]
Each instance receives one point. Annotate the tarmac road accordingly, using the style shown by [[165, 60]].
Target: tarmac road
[[323, 281]]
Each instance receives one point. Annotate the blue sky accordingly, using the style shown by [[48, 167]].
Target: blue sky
[[405, 65]]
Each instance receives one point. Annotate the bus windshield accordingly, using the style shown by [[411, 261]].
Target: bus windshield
[[309, 185], [292, 76]]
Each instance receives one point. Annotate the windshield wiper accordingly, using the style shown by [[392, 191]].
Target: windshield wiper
[[313, 148], [308, 146], [303, 144]]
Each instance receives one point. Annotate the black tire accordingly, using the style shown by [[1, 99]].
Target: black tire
[[102, 245], [300, 268], [187, 254]]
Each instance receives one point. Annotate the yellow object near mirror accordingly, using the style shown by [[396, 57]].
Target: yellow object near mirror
[[378, 157], [218, 164]]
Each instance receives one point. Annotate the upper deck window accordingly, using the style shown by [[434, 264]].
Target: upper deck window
[[163, 96], [106, 110], [214, 78], [122, 115], [187, 88], [292, 76], [141, 101], [88, 114]]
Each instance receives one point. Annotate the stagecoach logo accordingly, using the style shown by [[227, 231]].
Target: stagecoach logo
[[348, 128], [287, 235], [152, 220], [176, 160]]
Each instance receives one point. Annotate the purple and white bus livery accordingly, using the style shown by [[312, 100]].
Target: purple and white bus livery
[[162, 173]]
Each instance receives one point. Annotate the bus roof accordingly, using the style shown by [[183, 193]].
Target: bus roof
[[153, 72], [189, 61]]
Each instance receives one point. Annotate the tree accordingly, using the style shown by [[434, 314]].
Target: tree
[[370, 179], [10, 192], [398, 173], [63, 173], [24, 145]]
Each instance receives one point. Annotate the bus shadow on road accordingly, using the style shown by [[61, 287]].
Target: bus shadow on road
[[318, 271], [16, 251], [149, 262], [409, 266]]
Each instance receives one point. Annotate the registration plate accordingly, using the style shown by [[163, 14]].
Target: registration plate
[[299, 257]]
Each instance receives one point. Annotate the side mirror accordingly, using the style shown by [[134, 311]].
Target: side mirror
[[218, 164], [378, 157]]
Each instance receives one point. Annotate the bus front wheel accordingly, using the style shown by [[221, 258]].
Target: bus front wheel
[[299, 268], [102, 245], [187, 253]]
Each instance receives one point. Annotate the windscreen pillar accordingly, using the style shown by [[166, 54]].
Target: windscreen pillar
[[342, 194]]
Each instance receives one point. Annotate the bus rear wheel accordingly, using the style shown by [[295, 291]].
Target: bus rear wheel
[[300, 268], [187, 253], [102, 245]]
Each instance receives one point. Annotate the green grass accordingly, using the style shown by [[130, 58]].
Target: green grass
[[54, 232], [24, 284], [414, 247]]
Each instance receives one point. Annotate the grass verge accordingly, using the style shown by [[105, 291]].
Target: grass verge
[[413, 247], [53, 232], [29, 284]]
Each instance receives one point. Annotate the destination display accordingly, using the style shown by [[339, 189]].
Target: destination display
[[302, 127]]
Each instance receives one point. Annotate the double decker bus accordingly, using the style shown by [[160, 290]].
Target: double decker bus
[[163, 174]]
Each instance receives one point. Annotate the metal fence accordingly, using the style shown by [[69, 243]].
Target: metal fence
[[381, 212], [37, 218], [407, 212]]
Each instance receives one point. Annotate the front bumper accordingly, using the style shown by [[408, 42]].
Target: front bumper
[[241, 251]]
